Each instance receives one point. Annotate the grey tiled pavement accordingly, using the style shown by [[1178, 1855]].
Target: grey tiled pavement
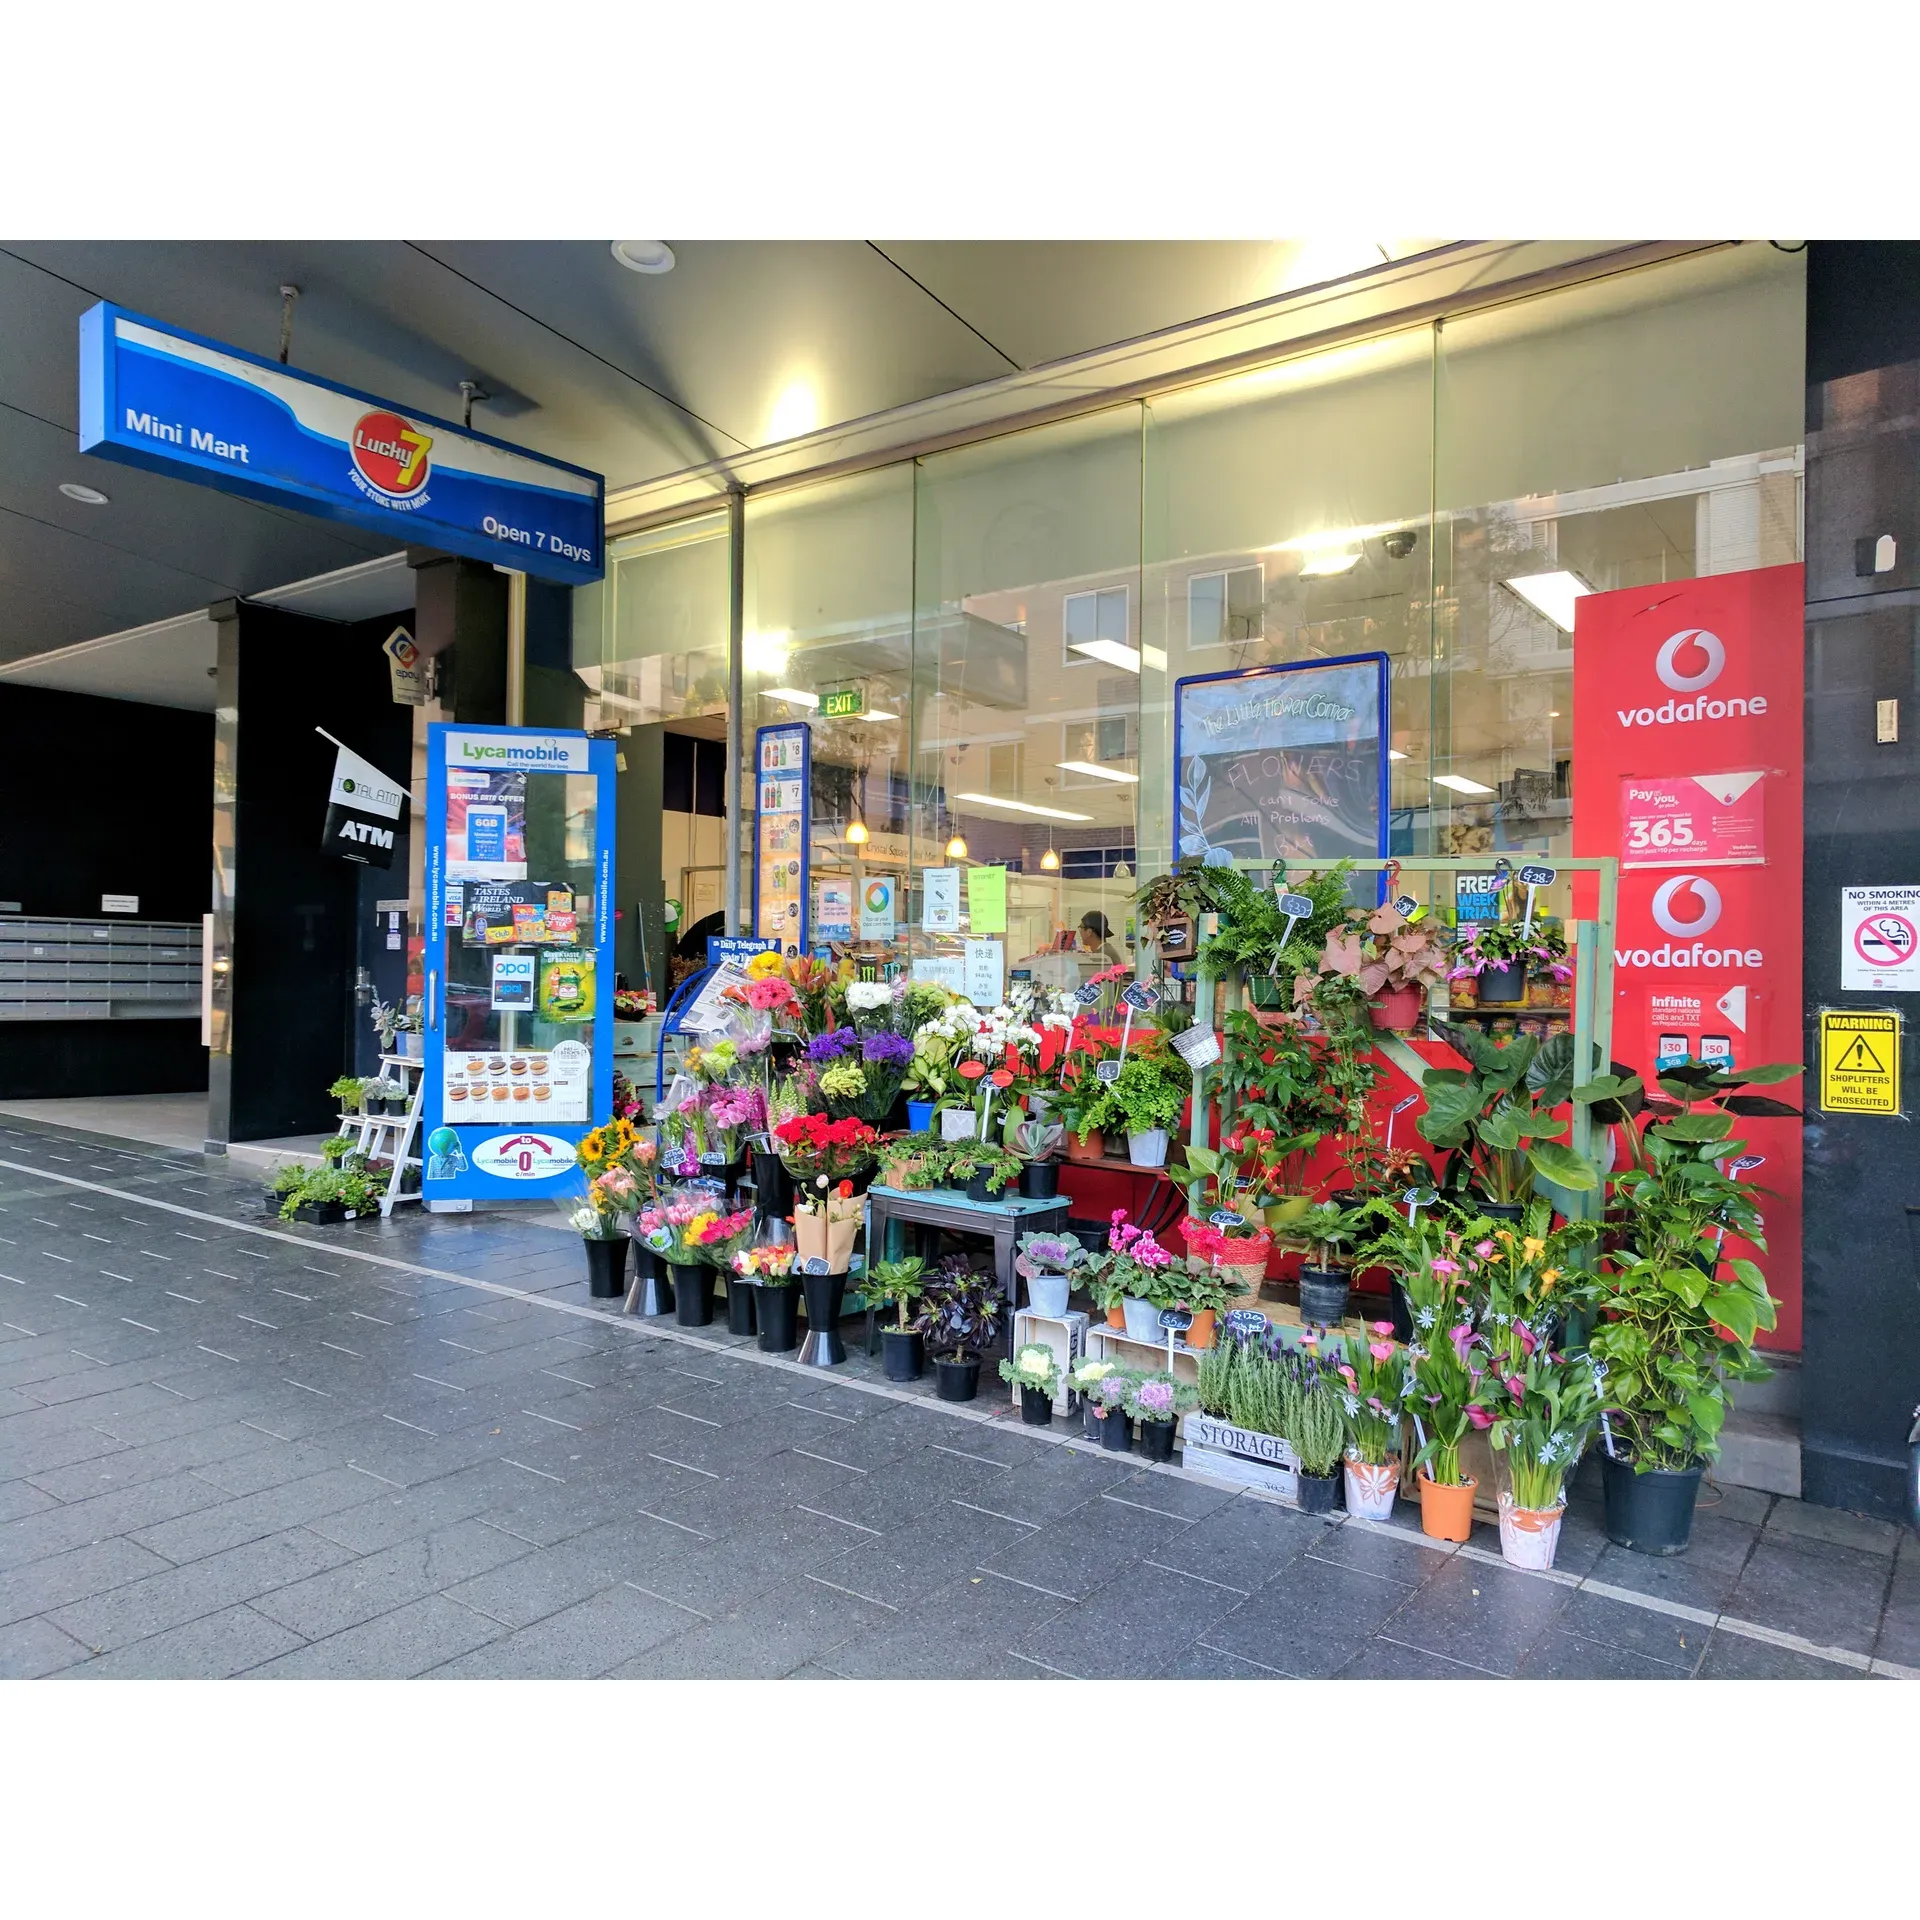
[[231, 1447]]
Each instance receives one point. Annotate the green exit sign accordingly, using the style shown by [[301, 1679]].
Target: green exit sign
[[847, 704]]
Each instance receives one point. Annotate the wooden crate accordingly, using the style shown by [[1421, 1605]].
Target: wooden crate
[[1066, 1334], [1145, 1356]]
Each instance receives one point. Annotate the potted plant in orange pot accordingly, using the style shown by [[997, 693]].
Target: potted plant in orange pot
[[1133, 1274]]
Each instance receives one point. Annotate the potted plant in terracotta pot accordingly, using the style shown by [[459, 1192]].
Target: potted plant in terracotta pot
[[1035, 1370], [1374, 1369], [1047, 1262], [1155, 1401], [1391, 959], [960, 1318], [898, 1284], [1083, 1111], [1679, 1314]]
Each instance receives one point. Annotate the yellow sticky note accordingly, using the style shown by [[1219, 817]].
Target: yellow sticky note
[[987, 899]]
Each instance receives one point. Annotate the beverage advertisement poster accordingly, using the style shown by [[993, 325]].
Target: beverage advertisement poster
[[1284, 763]]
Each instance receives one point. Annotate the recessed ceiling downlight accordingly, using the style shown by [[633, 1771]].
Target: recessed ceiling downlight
[[644, 256], [87, 496]]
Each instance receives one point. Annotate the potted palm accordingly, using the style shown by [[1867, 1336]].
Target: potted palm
[[1046, 1261], [1375, 1372], [897, 1284], [1155, 1401], [959, 1318], [1326, 1278], [1035, 1370]]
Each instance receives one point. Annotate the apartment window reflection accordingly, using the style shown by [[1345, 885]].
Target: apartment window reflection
[[1227, 606], [1095, 628]]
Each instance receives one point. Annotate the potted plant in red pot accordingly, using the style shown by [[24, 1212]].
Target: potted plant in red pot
[[960, 1318], [1391, 959]]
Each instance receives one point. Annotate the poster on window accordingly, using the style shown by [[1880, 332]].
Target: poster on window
[[1284, 763], [1699, 820], [486, 824]]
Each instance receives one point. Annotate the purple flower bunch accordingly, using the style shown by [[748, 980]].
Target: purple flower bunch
[[887, 1050], [824, 1048], [737, 1107]]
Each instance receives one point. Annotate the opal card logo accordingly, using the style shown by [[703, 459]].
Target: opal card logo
[[389, 454]]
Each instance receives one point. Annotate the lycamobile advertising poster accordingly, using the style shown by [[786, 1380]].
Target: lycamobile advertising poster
[[1284, 763]]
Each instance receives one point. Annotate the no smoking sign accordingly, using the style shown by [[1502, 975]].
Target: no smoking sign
[[1880, 939]]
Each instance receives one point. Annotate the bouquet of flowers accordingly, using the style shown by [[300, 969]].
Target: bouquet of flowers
[[665, 1226], [870, 1004], [619, 1167], [822, 1153], [715, 1236], [764, 1266], [861, 1075], [1375, 1377]]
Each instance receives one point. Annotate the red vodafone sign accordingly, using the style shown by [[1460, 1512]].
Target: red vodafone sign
[[1687, 766], [390, 453]]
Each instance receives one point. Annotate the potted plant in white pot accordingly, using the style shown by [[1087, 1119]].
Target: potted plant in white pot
[[1375, 1372], [1139, 1269], [1148, 1096], [1047, 1262], [1035, 1370]]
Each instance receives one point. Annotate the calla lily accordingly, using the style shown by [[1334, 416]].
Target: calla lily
[[1381, 1349], [1480, 1417]]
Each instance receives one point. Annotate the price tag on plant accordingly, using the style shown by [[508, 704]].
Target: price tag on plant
[[1175, 1319], [1538, 876], [1107, 1072], [1224, 1217], [1406, 1103], [1406, 906], [1142, 996], [1086, 995], [1247, 1320], [815, 1263], [1748, 1161], [713, 1157], [1296, 906]]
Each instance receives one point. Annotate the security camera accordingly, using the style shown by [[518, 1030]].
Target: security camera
[[1401, 543]]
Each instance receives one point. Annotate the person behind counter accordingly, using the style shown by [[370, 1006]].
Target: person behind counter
[[1096, 940]]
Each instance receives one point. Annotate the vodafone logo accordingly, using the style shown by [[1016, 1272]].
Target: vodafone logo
[[1668, 915], [1666, 663], [390, 454], [1689, 662]]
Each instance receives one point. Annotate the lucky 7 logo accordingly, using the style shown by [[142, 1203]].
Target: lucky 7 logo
[[390, 453]]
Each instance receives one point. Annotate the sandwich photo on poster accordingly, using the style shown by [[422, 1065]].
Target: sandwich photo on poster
[[1284, 763]]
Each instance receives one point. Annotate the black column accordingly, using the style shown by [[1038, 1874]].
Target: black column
[[293, 909], [1861, 1368], [460, 619]]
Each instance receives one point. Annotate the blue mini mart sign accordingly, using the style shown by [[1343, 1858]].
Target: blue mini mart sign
[[152, 396]]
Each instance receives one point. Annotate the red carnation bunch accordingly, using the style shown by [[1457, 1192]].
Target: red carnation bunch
[[813, 1146]]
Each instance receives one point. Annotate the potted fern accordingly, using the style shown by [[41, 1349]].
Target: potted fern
[[1148, 1097]]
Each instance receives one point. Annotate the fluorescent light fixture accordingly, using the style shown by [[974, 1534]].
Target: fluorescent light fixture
[[644, 256], [1019, 806], [87, 496], [792, 696], [1098, 773], [880, 713], [1552, 594], [1459, 783], [1116, 653], [1394, 753], [1317, 565]]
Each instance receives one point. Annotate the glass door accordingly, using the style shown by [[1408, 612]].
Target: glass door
[[520, 958]]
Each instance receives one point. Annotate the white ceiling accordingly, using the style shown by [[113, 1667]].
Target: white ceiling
[[633, 376]]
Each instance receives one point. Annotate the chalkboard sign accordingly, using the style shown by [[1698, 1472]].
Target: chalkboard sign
[[1107, 1072], [1748, 1160], [1086, 995], [815, 1263], [1224, 1217], [1296, 906], [1418, 1197], [1175, 1319], [1248, 1320], [1406, 1103], [1406, 906], [1538, 876], [1502, 872], [1142, 996]]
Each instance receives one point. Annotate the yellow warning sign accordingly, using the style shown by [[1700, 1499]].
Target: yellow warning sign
[[1859, 1062]]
